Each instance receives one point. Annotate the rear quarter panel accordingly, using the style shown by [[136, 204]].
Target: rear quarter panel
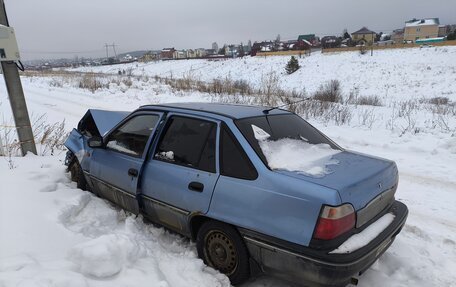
[[280, 207], [274, 204]]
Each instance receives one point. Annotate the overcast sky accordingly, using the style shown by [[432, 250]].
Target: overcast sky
[[64, 28]]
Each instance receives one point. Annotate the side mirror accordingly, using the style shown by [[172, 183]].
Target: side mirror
[[95, 142]]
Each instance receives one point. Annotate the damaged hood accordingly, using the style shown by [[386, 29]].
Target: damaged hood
[[106, 120], [94, 123]]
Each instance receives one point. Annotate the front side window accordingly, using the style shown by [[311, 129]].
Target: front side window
[[131, 138], [189, 142]]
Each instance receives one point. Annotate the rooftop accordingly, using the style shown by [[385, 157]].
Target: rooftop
[[363, 30], [307, 37], [227, 110], [422, 22]]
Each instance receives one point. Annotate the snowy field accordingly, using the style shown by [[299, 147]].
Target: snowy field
[[52, 234], [389, 74]]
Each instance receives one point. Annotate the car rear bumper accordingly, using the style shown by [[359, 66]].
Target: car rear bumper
[[317, 267]]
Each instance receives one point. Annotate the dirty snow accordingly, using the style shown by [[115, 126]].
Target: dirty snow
[[50, 231], [363, 238]]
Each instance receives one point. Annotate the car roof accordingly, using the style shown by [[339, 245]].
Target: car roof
[[233, 111]]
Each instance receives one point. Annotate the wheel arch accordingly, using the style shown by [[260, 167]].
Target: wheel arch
[[196, 221]]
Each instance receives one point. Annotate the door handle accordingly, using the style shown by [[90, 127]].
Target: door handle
[[133, 172], [196, 186]]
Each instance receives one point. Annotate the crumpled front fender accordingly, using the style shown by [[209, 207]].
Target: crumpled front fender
[[77, 144]]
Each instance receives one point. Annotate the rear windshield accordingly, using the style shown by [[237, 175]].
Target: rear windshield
[[278, 127]]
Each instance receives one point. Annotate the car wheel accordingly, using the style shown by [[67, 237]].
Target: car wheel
[[77, 175], [221, 247]]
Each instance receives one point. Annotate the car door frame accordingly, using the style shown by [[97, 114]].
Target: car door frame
[[115, 194], [150, 205]]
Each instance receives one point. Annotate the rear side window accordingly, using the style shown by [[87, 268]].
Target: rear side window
[[131, 138], [188, 142], [233, 160]]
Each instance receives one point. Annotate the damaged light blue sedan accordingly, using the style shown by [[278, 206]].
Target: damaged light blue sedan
[[259, 189]]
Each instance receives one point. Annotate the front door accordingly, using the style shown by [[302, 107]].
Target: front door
[[115, 169], [182, 173]]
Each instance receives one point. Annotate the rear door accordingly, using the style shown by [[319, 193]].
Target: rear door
[[114, 169], [180, 177]]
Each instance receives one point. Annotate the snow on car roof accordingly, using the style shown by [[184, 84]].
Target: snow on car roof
[[227, 110]]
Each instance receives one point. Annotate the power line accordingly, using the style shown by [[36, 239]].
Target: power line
[[113, 45]]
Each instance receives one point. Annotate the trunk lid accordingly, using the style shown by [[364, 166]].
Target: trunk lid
[[358, 178]]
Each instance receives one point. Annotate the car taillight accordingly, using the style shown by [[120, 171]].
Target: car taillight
[[334, 221]]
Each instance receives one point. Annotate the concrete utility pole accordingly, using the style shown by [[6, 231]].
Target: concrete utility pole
[[16, 98]]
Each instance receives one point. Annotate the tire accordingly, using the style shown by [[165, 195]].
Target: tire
[[222, 248], [77, 175]]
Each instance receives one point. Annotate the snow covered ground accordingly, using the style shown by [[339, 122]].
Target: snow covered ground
[[52, 234], [389, 74]]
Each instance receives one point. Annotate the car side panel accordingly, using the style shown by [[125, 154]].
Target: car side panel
[[273, 204], [165, 194], [109, 174], [259, 206], [109, 170]]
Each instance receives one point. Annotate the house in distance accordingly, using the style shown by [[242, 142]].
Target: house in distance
[[417, 29], [364, 36]]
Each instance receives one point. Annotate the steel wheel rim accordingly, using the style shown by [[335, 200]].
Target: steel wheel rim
[[220, 252]]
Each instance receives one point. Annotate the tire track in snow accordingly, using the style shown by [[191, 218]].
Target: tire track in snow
[[422, 179], [63, 100]]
